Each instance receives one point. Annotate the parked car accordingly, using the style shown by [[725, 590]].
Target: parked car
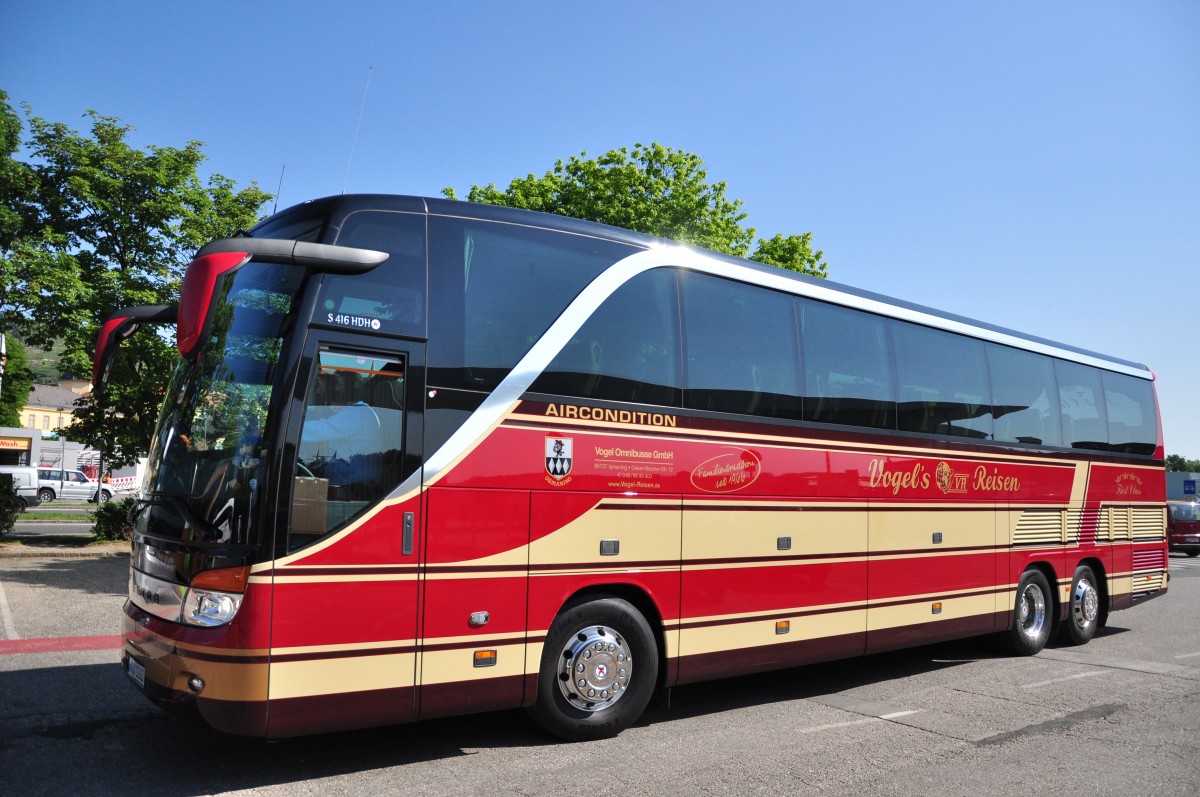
[[1183, 527], [54, 484]]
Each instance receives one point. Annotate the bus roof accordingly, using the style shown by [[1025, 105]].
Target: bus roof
[[821, 289]]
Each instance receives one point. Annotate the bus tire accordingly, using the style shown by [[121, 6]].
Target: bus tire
[[1083, 608], [1033, 614], [1192, 551], [599, 670]]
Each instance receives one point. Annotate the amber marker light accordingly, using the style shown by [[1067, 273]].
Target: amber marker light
[[937, 608], [228, 579], [485, 658], [783, 627]]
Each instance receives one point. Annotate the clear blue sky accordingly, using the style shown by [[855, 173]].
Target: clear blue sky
[[1030, 164]]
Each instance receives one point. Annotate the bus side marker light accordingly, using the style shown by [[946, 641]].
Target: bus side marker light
[[485, 658], [196, 684], [937, 608], [783, 627], [479, 619]]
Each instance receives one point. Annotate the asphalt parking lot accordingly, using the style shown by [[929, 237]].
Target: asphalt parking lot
[[1117, 716]]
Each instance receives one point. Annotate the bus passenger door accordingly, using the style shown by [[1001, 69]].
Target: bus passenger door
[[343, 645]]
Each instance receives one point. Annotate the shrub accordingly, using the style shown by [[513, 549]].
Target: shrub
[[10, 506], [114, 519]]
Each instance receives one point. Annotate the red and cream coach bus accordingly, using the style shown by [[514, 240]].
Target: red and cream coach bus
[[423, 458]]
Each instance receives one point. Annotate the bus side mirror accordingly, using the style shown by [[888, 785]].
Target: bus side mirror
[[119, 326]]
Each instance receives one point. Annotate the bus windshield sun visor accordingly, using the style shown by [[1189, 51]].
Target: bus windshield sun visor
[[119, 326], [222, 257]]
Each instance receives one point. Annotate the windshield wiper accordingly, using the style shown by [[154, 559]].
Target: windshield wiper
[[176, 502]]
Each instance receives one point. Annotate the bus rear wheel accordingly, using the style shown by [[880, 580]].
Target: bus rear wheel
[[1032, 615], [1083, 613], [599, 669]]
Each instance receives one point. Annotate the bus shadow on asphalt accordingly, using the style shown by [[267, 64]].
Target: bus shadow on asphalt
[[93, 705]]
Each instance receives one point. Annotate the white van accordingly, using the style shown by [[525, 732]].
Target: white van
[[25, 480]]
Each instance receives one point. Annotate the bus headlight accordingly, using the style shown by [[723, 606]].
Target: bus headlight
[[210, 608], [214, 596]]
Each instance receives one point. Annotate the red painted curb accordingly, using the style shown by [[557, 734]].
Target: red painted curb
[[64, 644]]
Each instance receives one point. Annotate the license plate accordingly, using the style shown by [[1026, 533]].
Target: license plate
[[135, 671]]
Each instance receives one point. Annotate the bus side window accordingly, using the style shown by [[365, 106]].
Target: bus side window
[[391, 295], [1132, 418], [847, 368], [1084, 417], [943, 382], [497, 288], [627, 351], [742, 349], [351, 444], [1023, 395]]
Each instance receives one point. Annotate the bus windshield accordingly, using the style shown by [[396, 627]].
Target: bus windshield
[[201, 479]]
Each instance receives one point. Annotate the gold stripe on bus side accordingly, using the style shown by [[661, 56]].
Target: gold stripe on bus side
[[1121, 584], [952, 608], [926, 532], [758, 633], [740, 531], [644, 536], [449, 666], [337, 675]]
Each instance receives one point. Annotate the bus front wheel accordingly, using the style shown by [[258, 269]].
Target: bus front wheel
[[599, 669], [1032, 614]]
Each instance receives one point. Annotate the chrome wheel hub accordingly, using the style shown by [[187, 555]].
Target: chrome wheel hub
[[1085, 603], [595, 668], [1031, 612]]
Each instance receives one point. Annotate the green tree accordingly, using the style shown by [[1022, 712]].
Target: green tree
[[656, 190], [18, 379], [97, 225], [1178, 464]]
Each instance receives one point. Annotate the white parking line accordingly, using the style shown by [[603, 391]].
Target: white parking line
[[1061, 680], [6, 618], [1187, 655], [820, 728]]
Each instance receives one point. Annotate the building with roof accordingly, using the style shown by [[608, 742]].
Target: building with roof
[[49, 409]]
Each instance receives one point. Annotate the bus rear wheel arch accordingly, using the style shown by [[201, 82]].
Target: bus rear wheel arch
[[598, 671]]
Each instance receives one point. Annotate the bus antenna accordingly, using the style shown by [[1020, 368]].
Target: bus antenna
[[353, 143], [279, 190]]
